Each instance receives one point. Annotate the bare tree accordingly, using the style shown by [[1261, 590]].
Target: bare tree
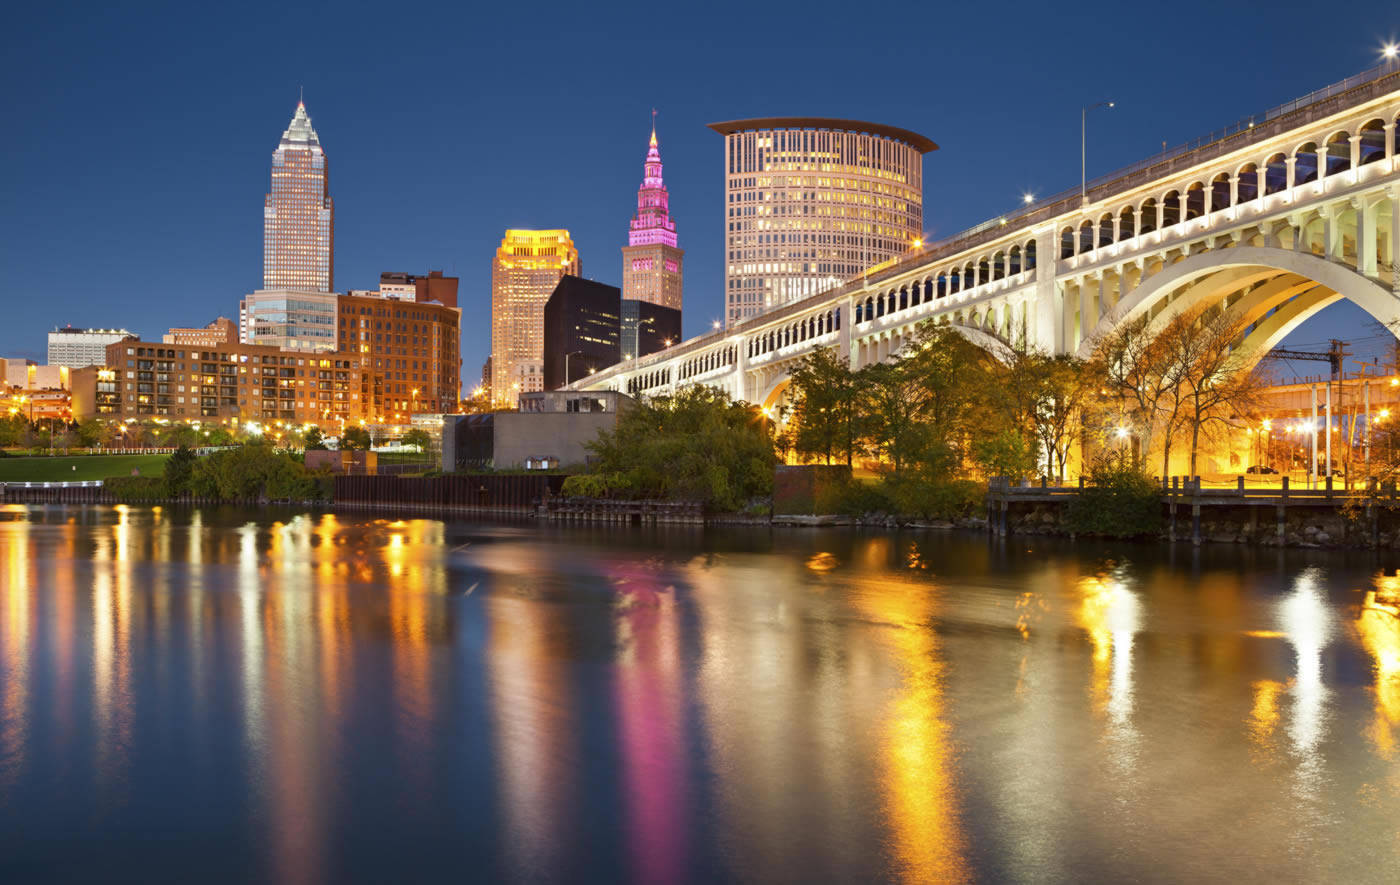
[[1137, 375], [1212, 385]]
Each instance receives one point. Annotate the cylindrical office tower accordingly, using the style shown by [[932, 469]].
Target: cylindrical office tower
[[810, 202]]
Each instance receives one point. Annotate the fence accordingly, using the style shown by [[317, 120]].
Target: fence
[[486, 493]]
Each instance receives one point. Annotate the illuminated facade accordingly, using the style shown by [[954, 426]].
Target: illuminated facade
[[298, 214], [528, 265], [651, 261], [235, 382], [410, 352], [812, 202], [396, 359]]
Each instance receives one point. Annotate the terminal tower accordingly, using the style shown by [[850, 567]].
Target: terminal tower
[[651, 261]]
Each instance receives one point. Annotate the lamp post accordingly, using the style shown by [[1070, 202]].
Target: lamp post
[[1084, 147]]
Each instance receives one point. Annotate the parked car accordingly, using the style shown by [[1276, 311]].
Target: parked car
[[1261, 469]]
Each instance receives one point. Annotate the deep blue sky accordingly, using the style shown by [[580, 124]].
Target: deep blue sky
[[138, 136]]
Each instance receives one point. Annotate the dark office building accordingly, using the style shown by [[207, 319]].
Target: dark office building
[[647, 327], [582, 329], [588, 327]]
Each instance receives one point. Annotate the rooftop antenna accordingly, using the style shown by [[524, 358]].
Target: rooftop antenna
[[653, 125], [301, 94]]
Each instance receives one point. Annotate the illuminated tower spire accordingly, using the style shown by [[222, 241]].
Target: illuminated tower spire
[[298, 214], [651, 260]]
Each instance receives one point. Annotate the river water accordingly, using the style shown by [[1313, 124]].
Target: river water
[[233, 695]]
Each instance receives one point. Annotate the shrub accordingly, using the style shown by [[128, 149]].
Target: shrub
[[698, 445], [1118, 501], [135, 489], [586, 485], [937, 499], [179, 470], [853, 498]]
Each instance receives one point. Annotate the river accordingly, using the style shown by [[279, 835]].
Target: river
[[233, 695]]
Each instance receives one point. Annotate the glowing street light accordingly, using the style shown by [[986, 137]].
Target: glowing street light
[[1390, 51], [1027, 198], [1083, 146], [715, 325]]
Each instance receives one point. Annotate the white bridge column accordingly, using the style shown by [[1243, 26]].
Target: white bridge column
[[1394, 194], [1043, 332], [1366, 211], [1089, 288], [741, 368]]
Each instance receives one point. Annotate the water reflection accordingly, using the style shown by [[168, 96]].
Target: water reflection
[[1378, 626], [343, 692], [917, 744]]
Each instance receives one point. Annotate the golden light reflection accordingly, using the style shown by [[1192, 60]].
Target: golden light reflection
[[822, 562], [917, 752], [14, 634], [1378, 627], [1263, 718], [1110, 613]]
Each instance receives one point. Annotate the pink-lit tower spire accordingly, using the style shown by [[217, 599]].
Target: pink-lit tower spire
[[651, 260]]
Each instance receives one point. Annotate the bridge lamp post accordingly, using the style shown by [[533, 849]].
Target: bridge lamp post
[[1084, 148]]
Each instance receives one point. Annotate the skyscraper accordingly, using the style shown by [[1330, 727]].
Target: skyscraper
[[811, 202], [298, 215], [651, 262], [528, 266]]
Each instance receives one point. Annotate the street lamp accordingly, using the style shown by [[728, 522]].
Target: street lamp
[[1083, 146]]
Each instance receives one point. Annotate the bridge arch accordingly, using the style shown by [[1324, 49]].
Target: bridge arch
[[1302, 283]]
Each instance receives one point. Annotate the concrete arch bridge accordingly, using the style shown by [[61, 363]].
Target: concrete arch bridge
[[1283, 214]]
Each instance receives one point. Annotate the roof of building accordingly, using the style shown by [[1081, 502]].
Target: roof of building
[[299, 131], [913, 139]]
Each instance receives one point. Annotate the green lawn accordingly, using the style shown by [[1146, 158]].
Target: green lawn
[[61, 468]]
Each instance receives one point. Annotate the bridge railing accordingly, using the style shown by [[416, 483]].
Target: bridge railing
[[1069, 199], [88, 484]]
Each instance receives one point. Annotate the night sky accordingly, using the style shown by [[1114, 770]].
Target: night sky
[[139, 136]]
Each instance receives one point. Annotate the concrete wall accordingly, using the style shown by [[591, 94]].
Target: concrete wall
[[562, 435]]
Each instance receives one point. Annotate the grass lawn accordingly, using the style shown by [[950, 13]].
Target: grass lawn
[[60, 468]]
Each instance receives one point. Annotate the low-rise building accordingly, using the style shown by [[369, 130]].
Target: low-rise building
[[76, 348], [221, 331], [236, 382]]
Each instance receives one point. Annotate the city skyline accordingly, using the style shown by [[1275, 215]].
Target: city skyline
[[424, 202]]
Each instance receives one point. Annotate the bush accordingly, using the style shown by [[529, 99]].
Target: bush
[[179, 469], [586, 485], [136, 489], [255, 471], [937, 499], [698, 445], [1117, 501], [853, 498]]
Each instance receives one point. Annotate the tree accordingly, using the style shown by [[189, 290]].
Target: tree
[[696, 445], [178, 435], [179, 470], [1213, 385], [355, 437], [418, 439], [1064, 385], [922, 406], [90, 433], [1005, 454], [1137, 375], [827, 414], [313, 439]]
